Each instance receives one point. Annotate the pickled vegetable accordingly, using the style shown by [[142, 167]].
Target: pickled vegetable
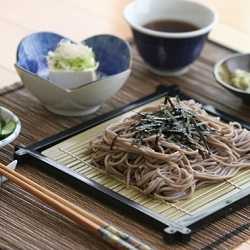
[[7, 129], [240, 79]]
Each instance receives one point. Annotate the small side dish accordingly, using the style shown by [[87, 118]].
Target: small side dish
[[72, 65], [233, 73], [10, 126]]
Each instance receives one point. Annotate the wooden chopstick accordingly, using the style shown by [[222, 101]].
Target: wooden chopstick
[[111, 235]]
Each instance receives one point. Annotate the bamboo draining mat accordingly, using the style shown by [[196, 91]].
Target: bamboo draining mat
[[27, 223]]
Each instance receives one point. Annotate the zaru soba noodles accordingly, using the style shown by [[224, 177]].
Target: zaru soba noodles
[[172, 149]]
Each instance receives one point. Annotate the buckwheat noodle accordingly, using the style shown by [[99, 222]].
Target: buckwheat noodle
[[165, 169]]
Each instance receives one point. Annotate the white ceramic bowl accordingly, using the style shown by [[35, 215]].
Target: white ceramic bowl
[[112, 53], [7, 116]]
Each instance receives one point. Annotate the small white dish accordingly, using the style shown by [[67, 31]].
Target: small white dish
[[6, 115], [224, 69]]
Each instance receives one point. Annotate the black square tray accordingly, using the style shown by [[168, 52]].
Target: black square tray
[[181, 224]]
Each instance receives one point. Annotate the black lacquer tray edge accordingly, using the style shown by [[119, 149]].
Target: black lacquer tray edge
[[32, 154]]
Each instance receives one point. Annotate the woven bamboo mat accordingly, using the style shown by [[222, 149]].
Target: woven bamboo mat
[[28, 223]]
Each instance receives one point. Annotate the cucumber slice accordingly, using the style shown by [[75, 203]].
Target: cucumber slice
[[1, 126], [2, 123], [8, 129]]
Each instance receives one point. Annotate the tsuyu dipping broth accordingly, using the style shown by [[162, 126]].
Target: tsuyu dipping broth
[[171, 25]]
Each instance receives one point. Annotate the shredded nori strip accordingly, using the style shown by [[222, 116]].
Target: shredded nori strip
[[176, 124]]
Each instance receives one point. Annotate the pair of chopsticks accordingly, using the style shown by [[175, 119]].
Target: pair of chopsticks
[[114, 237]]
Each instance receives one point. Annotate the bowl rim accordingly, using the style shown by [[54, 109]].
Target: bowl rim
[[177, 35], [17, 130], [218, 78]]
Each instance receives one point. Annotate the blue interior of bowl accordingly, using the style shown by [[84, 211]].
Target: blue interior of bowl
[[112, 53]]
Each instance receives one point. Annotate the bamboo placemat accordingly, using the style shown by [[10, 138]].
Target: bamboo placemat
[[27, 223]]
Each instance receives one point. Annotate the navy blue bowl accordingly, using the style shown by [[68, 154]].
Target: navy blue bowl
[[168, 54]]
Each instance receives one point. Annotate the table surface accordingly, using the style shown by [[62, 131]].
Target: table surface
[[79, 19]]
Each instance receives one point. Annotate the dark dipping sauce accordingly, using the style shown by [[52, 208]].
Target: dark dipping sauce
[[167, 25]]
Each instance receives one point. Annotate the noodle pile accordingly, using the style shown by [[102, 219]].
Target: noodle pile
[[168, 170]]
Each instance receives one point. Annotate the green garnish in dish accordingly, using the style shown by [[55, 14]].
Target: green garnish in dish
[[71, 56], [6, 129]]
